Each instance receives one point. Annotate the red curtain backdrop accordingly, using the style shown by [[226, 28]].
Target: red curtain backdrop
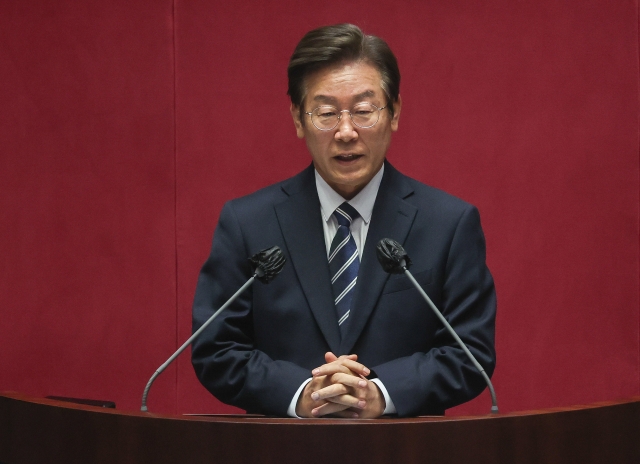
[[126, 125]]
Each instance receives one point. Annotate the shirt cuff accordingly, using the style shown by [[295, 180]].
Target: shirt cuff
[[389, 406], [291, 412]]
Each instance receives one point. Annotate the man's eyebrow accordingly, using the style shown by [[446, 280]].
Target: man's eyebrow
[[365, 94], [355, 98], [325, 99]]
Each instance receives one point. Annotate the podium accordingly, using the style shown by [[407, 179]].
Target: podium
[[49, 431]]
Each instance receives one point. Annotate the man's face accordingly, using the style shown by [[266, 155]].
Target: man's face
[[346, 157]]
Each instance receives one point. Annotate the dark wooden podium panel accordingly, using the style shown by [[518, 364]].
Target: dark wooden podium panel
[[48, 431]]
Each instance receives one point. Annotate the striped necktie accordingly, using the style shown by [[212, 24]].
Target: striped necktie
[[343, 263]]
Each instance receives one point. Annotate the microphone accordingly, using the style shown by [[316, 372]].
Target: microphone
[[266, 265], [394, 260]]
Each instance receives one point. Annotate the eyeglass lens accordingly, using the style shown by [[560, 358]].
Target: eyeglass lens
[[363, 115]]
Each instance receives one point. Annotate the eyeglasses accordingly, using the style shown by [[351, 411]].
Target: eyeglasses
[[363, 115]]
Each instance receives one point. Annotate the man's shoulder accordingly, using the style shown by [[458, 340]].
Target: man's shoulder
[[273, 194], [424, 196]]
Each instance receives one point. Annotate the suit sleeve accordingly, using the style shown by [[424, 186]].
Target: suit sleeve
[[429, 383], [224, 356]]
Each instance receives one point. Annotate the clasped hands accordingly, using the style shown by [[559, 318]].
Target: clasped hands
[[339, 389]]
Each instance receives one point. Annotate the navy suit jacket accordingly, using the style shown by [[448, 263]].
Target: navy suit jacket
[[258, 352]]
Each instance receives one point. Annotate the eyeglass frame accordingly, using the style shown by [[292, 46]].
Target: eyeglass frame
[[345, 111]]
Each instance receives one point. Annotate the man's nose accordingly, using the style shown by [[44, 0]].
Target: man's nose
[[346, 129]]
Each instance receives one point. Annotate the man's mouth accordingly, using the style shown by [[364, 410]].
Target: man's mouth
[[348, 157]]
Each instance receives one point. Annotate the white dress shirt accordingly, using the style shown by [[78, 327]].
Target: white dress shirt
[[363, 203]]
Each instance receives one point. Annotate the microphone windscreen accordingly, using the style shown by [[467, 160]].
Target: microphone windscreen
[[267, 263], [392, 256]]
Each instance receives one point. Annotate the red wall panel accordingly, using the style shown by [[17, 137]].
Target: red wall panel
[[87, 237]]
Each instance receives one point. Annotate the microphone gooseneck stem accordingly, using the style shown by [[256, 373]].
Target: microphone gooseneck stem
[[494, 400], [143, 408]]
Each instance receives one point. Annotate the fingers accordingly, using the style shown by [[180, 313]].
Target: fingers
[[330, 357], [339, 389], [329, 392], [333, 409], [349, 380], [342, 364], [342, 384], [306, 403], [363, 402], [347, 401], [346, 391], [374, 399]]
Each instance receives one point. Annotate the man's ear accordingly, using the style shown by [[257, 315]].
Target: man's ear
[[295, 114], [397, 107]]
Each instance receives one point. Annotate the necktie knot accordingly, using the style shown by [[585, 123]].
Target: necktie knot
[[345, 214]]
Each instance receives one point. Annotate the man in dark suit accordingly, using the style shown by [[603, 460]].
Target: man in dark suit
[[334, 334]]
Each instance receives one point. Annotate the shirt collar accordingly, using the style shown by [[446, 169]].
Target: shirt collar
[[362, 202]]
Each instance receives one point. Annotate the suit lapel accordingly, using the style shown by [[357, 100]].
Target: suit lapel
[[301, 224], [391, 218]]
